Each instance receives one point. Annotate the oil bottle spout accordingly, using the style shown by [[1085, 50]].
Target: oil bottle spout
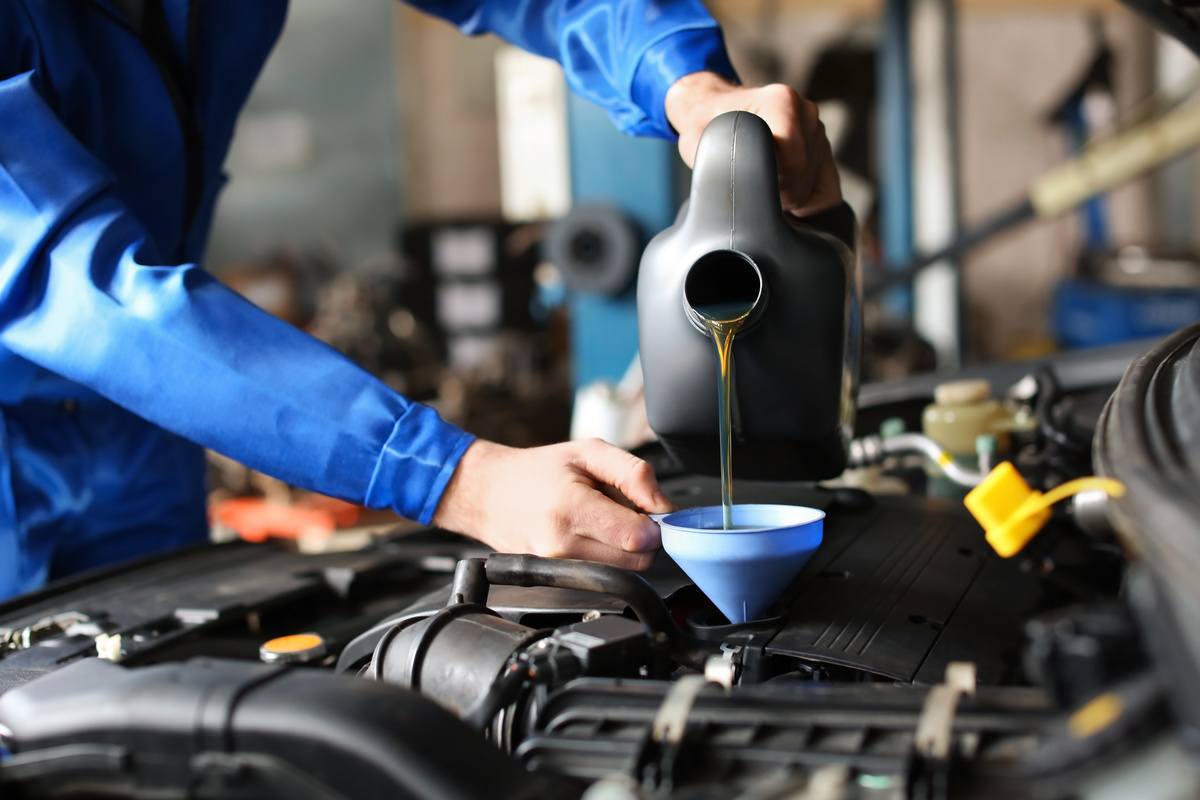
[[722, 285]]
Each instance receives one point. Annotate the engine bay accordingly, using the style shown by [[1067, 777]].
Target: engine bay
[[907, 659]]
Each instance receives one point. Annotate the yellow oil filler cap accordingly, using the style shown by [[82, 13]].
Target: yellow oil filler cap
[[1011, 513]]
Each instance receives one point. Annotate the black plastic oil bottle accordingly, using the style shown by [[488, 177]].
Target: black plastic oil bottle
[[795, 358]]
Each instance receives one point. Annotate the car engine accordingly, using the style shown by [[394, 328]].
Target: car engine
[[906, 660]]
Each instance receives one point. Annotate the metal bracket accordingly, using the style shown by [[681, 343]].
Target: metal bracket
[[670, 722], [724, 669], [660, 751], [935, 728], [45, 628]]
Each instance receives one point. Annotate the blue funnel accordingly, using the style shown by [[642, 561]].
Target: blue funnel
[[744, 569]]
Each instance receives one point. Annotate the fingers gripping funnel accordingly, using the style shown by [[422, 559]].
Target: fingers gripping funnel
[[742, 570]]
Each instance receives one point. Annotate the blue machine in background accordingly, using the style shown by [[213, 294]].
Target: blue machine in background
[[1087, 313], [1124, 294]]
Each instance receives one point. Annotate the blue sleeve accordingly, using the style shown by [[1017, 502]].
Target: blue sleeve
[[621, 54], [83, 294]]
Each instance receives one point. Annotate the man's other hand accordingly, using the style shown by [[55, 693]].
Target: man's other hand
[[808, 179], [583, 499]]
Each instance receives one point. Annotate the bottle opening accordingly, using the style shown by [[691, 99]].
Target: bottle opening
[[723, 280]]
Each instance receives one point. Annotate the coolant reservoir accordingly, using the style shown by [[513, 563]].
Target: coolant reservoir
[[963, 411]]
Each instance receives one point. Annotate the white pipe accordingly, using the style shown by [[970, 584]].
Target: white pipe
[[873, 449]]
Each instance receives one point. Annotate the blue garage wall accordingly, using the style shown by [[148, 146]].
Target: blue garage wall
[[639, 176]]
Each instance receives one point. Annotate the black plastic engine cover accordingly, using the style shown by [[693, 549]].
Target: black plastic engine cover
[[899, 588]]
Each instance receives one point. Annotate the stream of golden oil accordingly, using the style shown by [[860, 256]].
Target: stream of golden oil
[[723, 321]]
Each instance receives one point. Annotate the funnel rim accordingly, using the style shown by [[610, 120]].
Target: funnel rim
[[811, 516]]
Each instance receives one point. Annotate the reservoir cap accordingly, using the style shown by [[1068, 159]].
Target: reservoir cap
[[962, 393]]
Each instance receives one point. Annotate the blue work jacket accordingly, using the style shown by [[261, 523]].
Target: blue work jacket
[[120, 356]]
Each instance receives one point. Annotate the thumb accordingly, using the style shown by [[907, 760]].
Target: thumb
[[623, 471]]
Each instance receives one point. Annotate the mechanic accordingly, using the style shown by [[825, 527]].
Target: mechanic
[[120, 358]]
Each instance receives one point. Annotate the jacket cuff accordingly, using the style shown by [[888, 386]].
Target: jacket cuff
[[416, 463], [668, 59]]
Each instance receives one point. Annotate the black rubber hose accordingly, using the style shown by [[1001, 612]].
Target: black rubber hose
[[1049, 393], [1063, 759], [510, 569]]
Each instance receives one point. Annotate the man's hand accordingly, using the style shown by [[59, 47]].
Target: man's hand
[[572, 500], [808, 179]]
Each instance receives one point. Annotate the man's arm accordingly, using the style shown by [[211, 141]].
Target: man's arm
[[622, 55], [659, 67], [83, 294]]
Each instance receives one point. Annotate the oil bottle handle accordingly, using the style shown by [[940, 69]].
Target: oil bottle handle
[[735, 185]]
